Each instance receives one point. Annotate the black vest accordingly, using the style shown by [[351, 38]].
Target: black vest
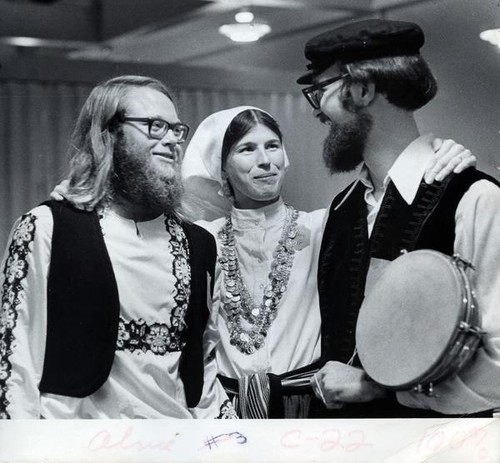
[[83, 306]]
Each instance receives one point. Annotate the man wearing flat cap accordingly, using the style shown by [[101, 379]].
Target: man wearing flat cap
[[365, 80]]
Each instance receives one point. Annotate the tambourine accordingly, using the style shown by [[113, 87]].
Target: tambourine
[[419, 324]]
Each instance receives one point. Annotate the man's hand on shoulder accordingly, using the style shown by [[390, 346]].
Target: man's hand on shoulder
[[60, 190], [60, 193], [450, 157]]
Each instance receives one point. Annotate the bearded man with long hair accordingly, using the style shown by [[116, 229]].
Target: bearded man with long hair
[[104, 294]]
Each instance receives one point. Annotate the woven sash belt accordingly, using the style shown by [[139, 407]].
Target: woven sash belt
[[260, 395]]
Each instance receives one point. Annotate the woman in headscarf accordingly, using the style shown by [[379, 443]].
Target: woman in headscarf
[[265, 310]]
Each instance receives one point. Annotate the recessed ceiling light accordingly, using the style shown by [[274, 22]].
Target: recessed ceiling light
[[244, 32], [244, 29], [23, 41], [34, 42], [492, 36], [244, 17]]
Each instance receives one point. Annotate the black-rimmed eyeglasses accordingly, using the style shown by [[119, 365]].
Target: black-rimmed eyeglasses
[[158, 128], [315, 92]]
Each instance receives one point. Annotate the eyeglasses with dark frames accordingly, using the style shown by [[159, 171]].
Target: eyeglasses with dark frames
[[158, 128], [315, 92]]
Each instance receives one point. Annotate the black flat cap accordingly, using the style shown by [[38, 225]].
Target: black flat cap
[[372, 38]]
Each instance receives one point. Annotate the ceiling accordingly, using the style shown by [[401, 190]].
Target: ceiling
[[177, 31], [88, 40]]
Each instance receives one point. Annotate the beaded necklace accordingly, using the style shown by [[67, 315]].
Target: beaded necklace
[[238, 303]]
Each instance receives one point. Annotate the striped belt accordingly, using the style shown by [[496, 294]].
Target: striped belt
[[261, 394]]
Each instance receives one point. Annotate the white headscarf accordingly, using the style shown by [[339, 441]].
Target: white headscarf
[[202, 166]]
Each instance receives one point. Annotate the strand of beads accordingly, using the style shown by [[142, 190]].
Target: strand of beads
[[238, 303]]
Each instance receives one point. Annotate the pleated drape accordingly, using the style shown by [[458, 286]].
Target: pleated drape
[[37, 119], [34, 136]]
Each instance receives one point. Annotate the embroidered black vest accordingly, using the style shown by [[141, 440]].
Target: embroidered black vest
[[429, 222], [83, 307]]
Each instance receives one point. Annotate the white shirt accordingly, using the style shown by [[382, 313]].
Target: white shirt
[[477, 239], [293, 340], [406, 173], [144, 382]]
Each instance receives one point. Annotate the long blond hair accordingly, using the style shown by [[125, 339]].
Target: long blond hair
[[94, 137]]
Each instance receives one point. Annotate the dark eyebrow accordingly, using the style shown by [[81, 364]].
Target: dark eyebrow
[[247, 143]]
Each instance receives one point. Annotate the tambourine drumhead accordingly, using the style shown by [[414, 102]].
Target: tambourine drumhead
[[410, 318]]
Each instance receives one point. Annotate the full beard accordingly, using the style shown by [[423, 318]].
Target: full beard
[[345, 143], [138, 181]]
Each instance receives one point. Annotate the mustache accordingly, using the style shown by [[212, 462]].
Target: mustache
[[139, 182]]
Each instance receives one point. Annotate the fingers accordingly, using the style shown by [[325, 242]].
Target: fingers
[[437, 143], [59, 192], [56, 194], [334, 405], [318, 391], [468, 160], [451, 157]]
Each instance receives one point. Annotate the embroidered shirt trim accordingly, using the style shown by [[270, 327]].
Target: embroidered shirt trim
[[16, 270]]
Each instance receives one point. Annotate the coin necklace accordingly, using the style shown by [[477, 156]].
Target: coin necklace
[[238, 303]]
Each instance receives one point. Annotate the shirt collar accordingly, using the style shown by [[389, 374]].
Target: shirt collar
[[407, 171], [250, 218], [364, 178]]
